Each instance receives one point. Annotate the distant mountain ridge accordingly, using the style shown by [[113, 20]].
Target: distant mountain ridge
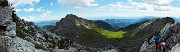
[[43, 23], [103, 24], [120, 23], [115, 23], [133, 26]]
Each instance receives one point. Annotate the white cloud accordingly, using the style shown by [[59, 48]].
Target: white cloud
[[51, 4], [116, 6], [134, 3], [160, 5], [161, 8], [17, 10], [48, 12], [78, 3], [119, 5], [23, 2], [39, 9], [28, 9], [143, 8], [159, 2], [45, 14], [156, 5], [30, 18]]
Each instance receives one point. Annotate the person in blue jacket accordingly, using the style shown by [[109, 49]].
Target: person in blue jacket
[[157, 39]]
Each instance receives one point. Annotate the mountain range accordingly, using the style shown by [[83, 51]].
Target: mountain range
[[43, 23], [120, 23], [76, 34]]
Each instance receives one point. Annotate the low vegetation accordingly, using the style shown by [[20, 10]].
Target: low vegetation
[[110, 34], [39, 46]]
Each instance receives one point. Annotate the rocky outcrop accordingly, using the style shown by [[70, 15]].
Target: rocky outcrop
[[170, 34], [20, 45], [7, 24], [41, 39], [144, 33], [147, 47], [19, 35], [3, 47]]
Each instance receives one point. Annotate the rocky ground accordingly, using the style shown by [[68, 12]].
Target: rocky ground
[[19, 45], [171, 34]]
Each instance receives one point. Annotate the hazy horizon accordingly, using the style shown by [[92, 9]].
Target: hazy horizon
[[44, 10]]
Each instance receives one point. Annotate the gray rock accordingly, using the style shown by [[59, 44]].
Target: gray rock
[[26, 27], [19, 45], [29, 39], [112, 50], [7, 20], [71, 49]]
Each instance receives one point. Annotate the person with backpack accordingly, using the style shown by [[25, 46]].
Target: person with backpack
[[157, 39], [163, 46]]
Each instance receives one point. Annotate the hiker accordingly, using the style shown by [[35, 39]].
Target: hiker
[[162, 46], [157, 39]]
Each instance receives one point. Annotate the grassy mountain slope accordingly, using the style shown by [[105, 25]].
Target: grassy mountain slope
[[84, 31], [89, 34]]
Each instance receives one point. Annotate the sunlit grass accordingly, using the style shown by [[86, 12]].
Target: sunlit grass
[[110, 34]]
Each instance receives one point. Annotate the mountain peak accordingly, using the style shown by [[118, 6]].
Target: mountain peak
[[71, 16]]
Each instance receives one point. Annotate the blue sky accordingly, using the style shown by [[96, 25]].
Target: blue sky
[[40, 10]]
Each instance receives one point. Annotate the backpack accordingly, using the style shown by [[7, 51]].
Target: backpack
[[157, 38]]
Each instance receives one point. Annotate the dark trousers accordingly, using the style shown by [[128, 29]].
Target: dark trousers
[[156, 46]]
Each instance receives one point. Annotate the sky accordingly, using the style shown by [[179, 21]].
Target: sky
[[43, 10]]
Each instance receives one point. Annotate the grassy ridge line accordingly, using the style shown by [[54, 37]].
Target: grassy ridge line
[[133, 32]]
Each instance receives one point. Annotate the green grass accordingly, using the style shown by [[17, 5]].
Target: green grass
[[103, 32], [39, 46], [110, 34]]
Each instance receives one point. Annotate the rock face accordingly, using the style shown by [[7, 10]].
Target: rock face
[[146, 47], [41, 39], [19, 45], [2, 44], [9, 40], [25, 36], [170, 33], [7, 21]]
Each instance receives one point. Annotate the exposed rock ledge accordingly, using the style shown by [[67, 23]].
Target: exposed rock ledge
[[19, 45]]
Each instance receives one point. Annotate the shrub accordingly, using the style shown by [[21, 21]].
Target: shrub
[[39, 46]]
